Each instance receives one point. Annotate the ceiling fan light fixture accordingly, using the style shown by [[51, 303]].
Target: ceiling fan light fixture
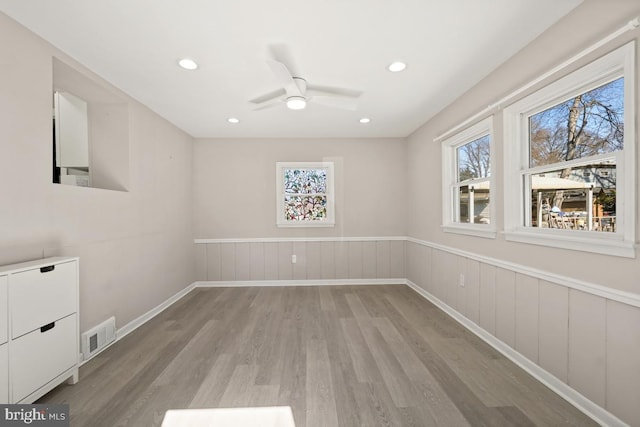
[[188, 64], [296, 103], [233, 120], [397, 66]]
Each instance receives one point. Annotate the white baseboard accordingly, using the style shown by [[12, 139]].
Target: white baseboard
[[328, 282], [594, 411], [141, 320], [136, 323]]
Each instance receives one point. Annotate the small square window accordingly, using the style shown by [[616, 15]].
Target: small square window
[[305, 194]]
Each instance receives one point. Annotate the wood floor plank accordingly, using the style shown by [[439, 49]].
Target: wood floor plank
[[214, 383], [475, 372], [363, 362], [294, 372], [264, 395], [326, 299], [342, 307], [376, 406], [343, 374], [530, 399], [397, 382], [237, 393], [339, 356], [434, 403], [321, 403]]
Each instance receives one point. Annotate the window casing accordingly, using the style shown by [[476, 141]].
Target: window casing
[[305, 194], [579, 194], [467, 181]]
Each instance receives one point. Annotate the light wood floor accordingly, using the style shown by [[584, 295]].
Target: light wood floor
[[339, 356]]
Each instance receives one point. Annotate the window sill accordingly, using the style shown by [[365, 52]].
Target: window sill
[[305, 224], [470, 230], [584, 243]]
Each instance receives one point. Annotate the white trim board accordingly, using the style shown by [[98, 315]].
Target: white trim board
[[328, 282], [597, 413], [300, 239], [591, 288], [141, 320]]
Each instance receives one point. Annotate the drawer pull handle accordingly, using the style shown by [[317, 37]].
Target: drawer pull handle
[[47, 268], [47, 327]]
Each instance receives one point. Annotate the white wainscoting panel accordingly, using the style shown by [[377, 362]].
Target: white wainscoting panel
[[553, 352], [581, 339], [623, 360], [587, 344], [245, 260]]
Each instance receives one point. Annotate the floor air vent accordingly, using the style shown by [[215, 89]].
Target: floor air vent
[[98, 337]]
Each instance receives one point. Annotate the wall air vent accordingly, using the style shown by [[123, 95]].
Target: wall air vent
[[97, 338]]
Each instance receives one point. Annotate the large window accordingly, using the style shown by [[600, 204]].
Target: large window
[[569, 160], [305, 194], [467, 206]]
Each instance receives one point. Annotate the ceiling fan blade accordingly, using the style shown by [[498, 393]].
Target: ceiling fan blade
[[269, 104], [316, 90], [343, 102], [269, 96], [285, 78], [280, 52]]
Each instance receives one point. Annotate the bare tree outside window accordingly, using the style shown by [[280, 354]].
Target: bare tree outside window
[[474, 169], [474, 159], [586, 126]]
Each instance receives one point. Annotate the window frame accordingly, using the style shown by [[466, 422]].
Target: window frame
[[329, 221], [617, 63], [451, 182]]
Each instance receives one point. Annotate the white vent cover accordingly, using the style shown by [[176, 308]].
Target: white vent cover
[[98, 337]]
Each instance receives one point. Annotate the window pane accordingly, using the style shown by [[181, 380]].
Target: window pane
[[473, 204], [305, 208], [589, 124], [463, 206], [580, 198], [305, 181], [473, 159]]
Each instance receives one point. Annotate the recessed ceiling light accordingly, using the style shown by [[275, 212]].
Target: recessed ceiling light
[[296, 102], [188, 64], [365, 120], [397, 66], [233, 120]]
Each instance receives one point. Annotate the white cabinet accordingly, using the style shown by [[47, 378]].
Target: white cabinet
[[4, 338], [39, 322]]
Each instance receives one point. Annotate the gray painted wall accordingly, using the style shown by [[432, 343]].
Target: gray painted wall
[[235, 186], [589, 341], [135, 247]]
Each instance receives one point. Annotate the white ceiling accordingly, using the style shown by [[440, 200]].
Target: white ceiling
[[449, 45]]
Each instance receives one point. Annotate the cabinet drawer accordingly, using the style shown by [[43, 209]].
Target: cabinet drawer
[[4, 310], [38, 357], [41, 295], [4, 373]]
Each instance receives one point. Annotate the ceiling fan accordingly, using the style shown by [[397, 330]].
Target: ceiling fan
[[296, 92]]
